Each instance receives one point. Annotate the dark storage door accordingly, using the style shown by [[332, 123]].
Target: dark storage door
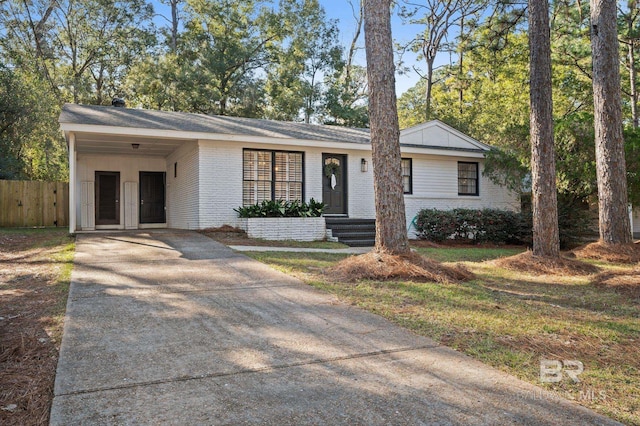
[[334, 183], [152, 197], [107, 198]]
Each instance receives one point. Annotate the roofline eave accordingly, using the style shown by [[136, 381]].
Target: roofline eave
[[68, 128]]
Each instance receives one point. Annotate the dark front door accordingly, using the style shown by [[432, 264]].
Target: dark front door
[[334, 183], [107, 198], [152, 197]]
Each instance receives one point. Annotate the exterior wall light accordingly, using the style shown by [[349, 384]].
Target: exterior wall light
[[364, 166]]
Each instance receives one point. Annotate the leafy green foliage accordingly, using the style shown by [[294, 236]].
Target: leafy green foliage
[[346, 97], [487, 97], [281, 208], [310, 49], [253, 58], [479, 226], [435, 225], [575, 221], [31, 146]]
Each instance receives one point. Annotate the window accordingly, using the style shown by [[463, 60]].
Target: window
[[407, 179], [271, 175], [467, 178]]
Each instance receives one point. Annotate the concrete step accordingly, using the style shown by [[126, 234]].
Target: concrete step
[[347, 228], [331, 221], [359, 243], [353, 232]]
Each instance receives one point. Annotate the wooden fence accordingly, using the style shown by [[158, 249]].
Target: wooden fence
[[31, 203]]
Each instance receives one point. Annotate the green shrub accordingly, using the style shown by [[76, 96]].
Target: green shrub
[[281, 208], [486, 225], [576, 223], [435, 225]]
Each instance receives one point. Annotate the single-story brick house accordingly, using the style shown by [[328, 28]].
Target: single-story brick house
[[134, 168]]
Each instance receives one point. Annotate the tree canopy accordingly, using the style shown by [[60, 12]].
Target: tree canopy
[[489, 99], [251, 58], [284, 59]]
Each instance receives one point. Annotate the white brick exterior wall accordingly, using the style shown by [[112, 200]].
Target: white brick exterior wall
[[220, 183], [183, 191], [360, 187], [221, 180], [435, 182], [285, 228]]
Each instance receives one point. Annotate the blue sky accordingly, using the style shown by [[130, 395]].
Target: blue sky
[[341, 11]]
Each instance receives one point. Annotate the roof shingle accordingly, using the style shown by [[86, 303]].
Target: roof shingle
[[186, 122]]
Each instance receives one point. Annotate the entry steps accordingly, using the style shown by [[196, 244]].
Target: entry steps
[[352, 232]]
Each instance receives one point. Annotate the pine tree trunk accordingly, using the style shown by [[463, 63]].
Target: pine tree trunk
[[429, 80], [174, 25], [610, 162], [546, 241], [391, 232]]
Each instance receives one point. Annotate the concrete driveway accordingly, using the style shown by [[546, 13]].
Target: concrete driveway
[[170, 327]]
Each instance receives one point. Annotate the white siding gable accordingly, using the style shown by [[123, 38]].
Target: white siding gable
[[437, 134]]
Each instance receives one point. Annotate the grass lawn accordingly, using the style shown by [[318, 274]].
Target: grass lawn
[[35, 271], [511, 320]]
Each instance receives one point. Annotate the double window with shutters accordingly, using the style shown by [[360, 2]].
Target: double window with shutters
[[272, 175]]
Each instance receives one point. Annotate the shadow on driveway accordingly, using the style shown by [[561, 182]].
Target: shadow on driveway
[[171, 327]]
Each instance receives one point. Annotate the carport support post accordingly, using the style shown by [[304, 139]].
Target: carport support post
[[72, 183]]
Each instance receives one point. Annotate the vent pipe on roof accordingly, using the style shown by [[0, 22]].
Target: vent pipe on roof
[[118, 102]]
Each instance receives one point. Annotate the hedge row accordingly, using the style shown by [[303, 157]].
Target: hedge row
[[501, 226], [480, 226]]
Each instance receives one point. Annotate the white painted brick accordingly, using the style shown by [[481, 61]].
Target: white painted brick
[[286, 228], [212, 186], [182, 191]]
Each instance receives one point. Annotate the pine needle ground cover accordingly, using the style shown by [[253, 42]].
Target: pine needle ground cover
[[512, 320], [35, 269]]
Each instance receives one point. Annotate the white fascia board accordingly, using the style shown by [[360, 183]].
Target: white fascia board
[[441, 152]]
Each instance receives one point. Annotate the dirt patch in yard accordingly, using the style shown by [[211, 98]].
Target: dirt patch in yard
[[527, 262], [384, 267], [227, 235], [34, 269], [230, 236]]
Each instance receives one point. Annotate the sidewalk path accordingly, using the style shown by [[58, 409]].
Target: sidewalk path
[[170, 327], [348, 250]]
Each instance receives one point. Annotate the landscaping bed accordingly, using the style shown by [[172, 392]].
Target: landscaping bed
[[231, 236], [35, 270], [512, 320]]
